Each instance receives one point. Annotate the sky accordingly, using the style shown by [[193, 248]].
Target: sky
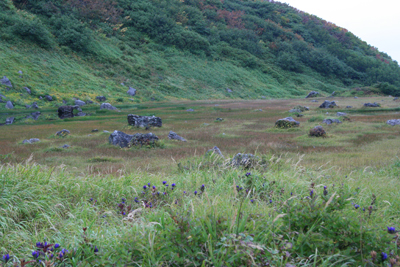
[[375, 21]]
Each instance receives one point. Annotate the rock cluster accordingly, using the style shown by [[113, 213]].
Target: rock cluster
[[328, 104], [122, 139], [318, 131], [144, 121]]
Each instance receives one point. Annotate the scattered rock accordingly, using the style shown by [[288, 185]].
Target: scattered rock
[[295, 110], [20, 72], [81, 114], [174, 136], [229, 90], [372, 105], [40, 97], [122, 84], [9, 105], [259, 109], [144, 121], [299, 115], [317, 131], [333, 93], [300, 108], [314, 100], [396, 98], [79, 103], [330, 121], [131, 91], [393, 122], [355, 97], [5, 81], [219, 119], [2, 99], [263, 97], [245, 160], [101, 98], [125, 140], [349, 107], [27, 90], [190, 110], [95, 130], [215, 150], [328, 104], [339, 114], [31, 141], [65, 146], [48, 97], [288, 122], [63, 133], [89, 102], [107, 106], [105, 131], [34, 115], [312, 94], [10, 120], [34, 105]]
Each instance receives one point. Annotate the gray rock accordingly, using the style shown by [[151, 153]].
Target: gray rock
[[263, 97], [330, 121], [122, 139], [5, 81], [312, 94], [78, 108], [105, 131], [229, 90], [339, 114], [174, 136], [355, 97], [295, 110], [144, 121], [89, 102], [314, 100], [107, 106], [328, 104], [40, 97], [10, 120], [9, 105], [34, 105], [95, 130], [20, 72], [396, 98], [219, 119], [65, 146], [122, 84], [27, 90], [101, 98], [393, 122], [333, 93], [63, 133], [372, 105], [288, 122], [66, 112], [34, 115], [190, 110], [79, 103], [81, 114], [2, 99], [245, 160], [349, 107], [318, 131], [215, 150], [131, 91], [48, 97], [31, 141]]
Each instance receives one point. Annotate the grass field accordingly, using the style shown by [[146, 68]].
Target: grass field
[[306, 202]]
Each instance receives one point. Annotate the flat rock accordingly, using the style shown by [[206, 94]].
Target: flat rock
[[5, 81], [312, 94], [393, 122], [372, 105], [122, 139], [131, 91], [314, 100], [63, 132], [10, 120], [107, 106], [9, 105], [190, 110], [80, 103], [349, 107], [328, 104], [245, 160], [28, 90], [317, 131], [144, 121], [330, 121], [101, 98], [31, 141], [340, 114], [215, 150], [65, 146], [175, 136], [288, 122]]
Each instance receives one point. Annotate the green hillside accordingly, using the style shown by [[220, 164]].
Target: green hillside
[[191, 49]]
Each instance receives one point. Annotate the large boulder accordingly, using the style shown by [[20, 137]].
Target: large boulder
[[372, 105], [101, 98], [10, 120], [131, 91], [9, 105], [79, 103], [393, 122], [34, 105], [144, 121], [5, 81], [118, 138], [215, 150], [31, 141], [288, 122], [175, 136], [318, 131], [312, 94], [330, 121], [107, 106], [66, 112], [328, 104], [245, 160]]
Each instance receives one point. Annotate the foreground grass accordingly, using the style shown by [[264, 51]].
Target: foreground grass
[[275, 214]]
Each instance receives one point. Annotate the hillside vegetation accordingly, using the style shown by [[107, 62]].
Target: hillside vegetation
[[193, 49]]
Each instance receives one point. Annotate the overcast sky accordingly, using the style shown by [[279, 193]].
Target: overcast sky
[[375, 21]]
